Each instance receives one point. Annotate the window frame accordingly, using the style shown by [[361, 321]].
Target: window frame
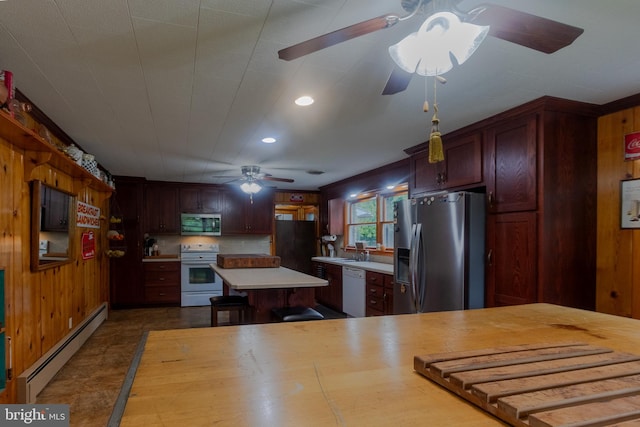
[[380, 197]]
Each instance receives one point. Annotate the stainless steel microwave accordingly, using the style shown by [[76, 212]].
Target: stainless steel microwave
[[194, 224]]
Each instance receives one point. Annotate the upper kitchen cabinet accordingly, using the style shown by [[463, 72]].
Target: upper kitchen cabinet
[[511, 165], [200, 199], [462, 165], [336, 217], [161, 208], [242, 215]]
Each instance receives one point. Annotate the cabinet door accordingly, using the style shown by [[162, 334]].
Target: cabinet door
[[463, 158], [241, 216], [233, 211], [424, 176], [462, 166], [511, 165], [511, 259], [161, 208], [210, 199], [125, 273], [260, 214], [55, 210], [336, 216], [334, 289], [388, 293], [200, 199]]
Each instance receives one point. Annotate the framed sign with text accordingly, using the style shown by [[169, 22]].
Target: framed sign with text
[[630, 203]]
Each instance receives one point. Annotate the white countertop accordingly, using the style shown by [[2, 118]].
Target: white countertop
[[266, 278], [378, 267]]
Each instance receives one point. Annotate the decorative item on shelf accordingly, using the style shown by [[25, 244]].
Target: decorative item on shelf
[[89, 163], [75, 153]]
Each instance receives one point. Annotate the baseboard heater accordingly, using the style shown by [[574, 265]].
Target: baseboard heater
[[33, 380]]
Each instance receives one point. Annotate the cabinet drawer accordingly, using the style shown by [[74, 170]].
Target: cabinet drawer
[[162, 294], [375, 306], [375, 278], [161, 278], [161, 266], [375, 291]]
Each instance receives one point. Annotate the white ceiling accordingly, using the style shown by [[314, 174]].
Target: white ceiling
[[182, 90]]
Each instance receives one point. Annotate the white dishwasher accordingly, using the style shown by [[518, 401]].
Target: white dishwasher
[[353, 291]]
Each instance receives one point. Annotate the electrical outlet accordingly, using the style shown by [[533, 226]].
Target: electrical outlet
[[70, 322]]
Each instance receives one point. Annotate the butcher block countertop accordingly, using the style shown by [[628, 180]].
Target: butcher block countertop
[[266, 278], [342, 372]]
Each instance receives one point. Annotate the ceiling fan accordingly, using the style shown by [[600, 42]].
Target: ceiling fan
[[534, 32], [252, 177]]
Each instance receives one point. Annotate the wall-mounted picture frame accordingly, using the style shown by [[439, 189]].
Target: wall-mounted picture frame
[[630, 203]]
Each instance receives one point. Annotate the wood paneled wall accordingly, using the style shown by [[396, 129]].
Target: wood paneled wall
[[39, 304], [618, 253]]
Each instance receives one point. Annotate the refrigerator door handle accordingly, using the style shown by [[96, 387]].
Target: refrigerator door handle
[[416, 231]]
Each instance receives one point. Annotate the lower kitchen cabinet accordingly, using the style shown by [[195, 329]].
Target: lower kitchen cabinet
[[162, 282], [511, 254], [379, 294], [330, 295]]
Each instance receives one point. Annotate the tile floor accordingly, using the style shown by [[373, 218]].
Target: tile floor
[[91, 381]]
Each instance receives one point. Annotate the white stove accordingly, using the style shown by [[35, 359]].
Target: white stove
[[198, 281]]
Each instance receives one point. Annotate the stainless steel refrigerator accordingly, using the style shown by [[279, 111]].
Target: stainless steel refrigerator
[[439, 253]]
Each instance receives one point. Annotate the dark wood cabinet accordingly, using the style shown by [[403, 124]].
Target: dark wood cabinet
[[200, 199], [161, 208], [55, 210], [379, 294], [330, 295], [512, 165], [541, 195], [336, 216], [162, 282], [462, 165], [511, 258], [244, 215], [125, 272]]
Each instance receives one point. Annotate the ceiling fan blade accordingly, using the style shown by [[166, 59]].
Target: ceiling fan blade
[[534, 32], [398, 81], [338, 36], [273, 178]]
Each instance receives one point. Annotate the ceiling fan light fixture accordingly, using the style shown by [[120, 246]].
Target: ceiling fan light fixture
[[429, 51], [250, 187]]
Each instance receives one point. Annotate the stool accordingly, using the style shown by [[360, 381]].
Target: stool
[[296, 314], [229, 303]]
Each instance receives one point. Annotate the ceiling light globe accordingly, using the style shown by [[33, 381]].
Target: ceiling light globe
[[304, 101]]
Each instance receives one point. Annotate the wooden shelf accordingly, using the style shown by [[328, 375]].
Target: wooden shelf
[[38, 151]]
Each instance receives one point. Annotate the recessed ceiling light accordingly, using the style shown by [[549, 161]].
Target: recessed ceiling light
[[315, 172], [303, 101], [268, 140], [390, 187]]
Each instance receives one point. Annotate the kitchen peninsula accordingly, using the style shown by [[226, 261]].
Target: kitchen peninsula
[[356, 371], [271, 287]]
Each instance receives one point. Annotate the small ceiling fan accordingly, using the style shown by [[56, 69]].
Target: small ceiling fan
[[251, 174], [534, 32], [252, 179]]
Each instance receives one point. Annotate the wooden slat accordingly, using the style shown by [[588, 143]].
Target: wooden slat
[[425, 361], [521, 405], [467, 379], [598, 413], [544, 386], [514, 358], [491, 391]]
